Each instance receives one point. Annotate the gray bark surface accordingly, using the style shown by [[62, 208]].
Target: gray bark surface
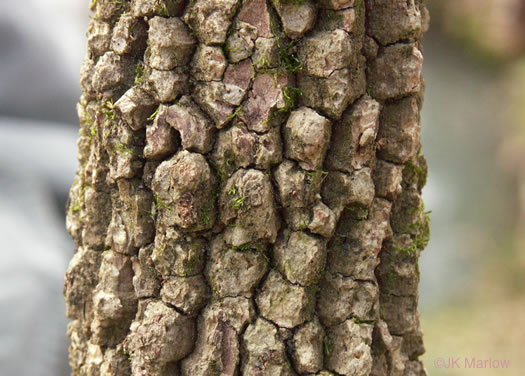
[[248, 198]]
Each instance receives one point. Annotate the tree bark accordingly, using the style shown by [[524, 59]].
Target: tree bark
[[248, 194]]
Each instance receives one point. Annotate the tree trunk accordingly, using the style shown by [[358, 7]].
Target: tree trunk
[[248, 196]]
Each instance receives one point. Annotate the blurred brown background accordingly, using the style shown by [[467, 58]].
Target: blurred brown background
[[472, 273], [474, 138]]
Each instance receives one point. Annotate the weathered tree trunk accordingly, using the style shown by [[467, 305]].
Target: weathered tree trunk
[[248, 197]]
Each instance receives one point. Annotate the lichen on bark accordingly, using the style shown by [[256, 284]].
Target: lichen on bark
[[248, 198]]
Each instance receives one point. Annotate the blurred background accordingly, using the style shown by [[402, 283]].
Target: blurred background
[[472, 273]]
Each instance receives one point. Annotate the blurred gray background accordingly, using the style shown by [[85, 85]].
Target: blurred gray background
[[42, 44]]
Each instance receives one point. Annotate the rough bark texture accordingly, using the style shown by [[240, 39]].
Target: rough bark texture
[[248, 197]]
